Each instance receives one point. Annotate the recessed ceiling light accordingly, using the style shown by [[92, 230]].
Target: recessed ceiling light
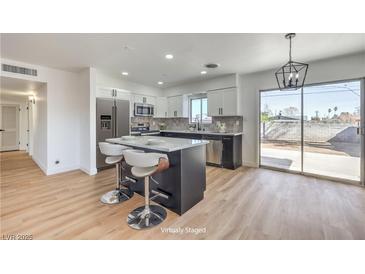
[[124, 73], [169, 56], [160, 83], [203, 72]]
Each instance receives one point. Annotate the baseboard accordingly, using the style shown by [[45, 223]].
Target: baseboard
[[52, 171], [89, 171], [9, 148], [40, 165], [250, 164]]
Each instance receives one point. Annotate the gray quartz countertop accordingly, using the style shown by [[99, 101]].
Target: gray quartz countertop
[[159, 143], [203, 132]]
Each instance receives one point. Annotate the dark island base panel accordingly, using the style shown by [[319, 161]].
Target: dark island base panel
[[184, 182]]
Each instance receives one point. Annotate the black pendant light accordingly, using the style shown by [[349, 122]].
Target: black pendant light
[[292, 75]]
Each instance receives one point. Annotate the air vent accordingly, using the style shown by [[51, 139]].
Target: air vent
[[211, 65], [20, 70]]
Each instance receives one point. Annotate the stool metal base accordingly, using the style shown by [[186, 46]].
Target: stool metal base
[[141, 218], [116, 196]]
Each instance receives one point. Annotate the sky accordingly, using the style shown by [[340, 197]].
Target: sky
[[346, 96]]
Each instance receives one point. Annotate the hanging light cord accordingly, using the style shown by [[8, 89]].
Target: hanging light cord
[[290, 49]]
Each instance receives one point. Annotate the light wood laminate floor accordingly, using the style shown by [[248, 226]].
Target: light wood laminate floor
[[246, 203]]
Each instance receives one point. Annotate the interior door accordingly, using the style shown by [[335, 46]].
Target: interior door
[[9, 127]]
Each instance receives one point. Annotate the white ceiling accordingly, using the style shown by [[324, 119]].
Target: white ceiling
[[142, 55]]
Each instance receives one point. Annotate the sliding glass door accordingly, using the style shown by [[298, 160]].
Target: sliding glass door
[[281, 129], [317, 130], [332, 143]]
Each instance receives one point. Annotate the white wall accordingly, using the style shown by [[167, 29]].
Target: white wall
[[87, 84], [105, 79], [340, 68], [62, 116], [22, 101], [39, 129], [202, 85]]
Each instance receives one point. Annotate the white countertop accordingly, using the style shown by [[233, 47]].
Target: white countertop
[[165, 144], [203, 132]]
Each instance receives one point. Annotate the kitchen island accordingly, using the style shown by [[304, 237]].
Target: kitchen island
[[184, 183]]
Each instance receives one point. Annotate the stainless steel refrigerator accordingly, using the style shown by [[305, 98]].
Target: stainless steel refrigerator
[[112, 121]]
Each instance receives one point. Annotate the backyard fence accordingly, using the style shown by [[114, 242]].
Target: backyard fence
[[314, 131]]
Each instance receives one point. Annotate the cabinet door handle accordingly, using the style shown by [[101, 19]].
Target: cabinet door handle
[[222, 111]]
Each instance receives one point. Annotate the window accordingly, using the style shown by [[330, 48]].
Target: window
[[199, 110]]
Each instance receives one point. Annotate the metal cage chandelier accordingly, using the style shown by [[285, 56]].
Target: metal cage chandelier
[[292, 75]]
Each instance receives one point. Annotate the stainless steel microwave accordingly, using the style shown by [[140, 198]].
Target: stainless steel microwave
[[143, 109]]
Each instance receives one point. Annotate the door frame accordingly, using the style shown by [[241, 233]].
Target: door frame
[[362, 131], [362, 136], [17, 106]]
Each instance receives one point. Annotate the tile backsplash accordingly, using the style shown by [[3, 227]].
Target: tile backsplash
[[233, 123]]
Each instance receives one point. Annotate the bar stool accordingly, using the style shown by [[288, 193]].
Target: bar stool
[[145, 165], [114, 155]]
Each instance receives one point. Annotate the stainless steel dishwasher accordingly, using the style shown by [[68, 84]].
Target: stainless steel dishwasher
[[214, 149]]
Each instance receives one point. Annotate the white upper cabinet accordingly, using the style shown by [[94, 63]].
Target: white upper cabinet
[[122, 94], [113, 93], [161, 107], [104, 92], [215, 99], [223, 102], [177, 106], [144, 99], [230, 102]]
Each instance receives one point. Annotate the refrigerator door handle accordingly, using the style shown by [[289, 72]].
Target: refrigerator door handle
[[116, 122], [113, 121]]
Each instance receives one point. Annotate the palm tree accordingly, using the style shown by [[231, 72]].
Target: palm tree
[[329, 111], [335, 109], [335, 114]]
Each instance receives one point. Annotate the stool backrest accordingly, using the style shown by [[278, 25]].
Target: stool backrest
[[111, 149], [138, 159]]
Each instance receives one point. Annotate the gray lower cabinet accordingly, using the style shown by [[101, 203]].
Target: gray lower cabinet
[[227, 150]]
